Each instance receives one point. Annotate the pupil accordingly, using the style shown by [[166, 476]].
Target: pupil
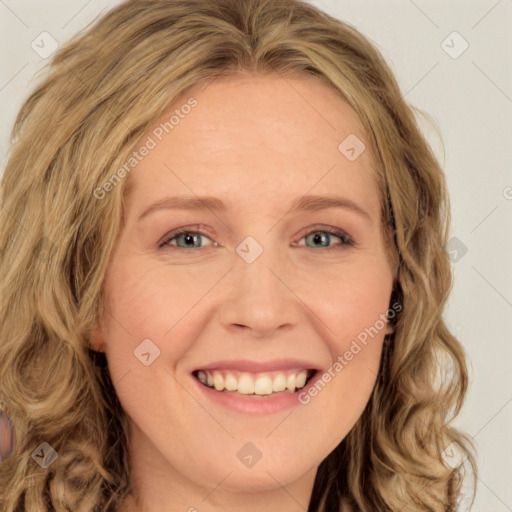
[[318, 237]]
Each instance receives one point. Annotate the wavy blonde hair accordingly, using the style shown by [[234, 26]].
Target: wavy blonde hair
[[102, 92]]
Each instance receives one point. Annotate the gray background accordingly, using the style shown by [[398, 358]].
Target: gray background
[[469, 97]]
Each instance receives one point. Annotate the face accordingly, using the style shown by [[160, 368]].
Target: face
[[265, 285]]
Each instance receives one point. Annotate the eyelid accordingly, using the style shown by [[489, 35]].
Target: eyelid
[[341, 233]]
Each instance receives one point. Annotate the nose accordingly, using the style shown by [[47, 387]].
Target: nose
[[259, 297]]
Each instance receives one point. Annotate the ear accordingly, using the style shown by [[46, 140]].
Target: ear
[[7, 437], [389, 328], [97, 338]]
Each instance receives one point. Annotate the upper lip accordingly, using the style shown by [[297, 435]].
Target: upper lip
[[245, 365]]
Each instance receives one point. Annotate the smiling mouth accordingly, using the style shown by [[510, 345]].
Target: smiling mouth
[[261, 384]]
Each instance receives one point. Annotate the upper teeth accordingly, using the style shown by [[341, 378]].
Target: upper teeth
[[254, 383]]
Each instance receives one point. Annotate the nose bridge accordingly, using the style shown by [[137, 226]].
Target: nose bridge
[[258, 297]]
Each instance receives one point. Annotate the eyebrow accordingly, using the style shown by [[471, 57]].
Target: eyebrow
[[310, 203]]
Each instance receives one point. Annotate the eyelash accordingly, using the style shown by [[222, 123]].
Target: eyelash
[[347, 240]]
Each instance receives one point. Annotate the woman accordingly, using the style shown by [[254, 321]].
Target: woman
[[254, 370]]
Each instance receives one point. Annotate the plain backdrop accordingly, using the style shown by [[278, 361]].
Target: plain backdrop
[[453, 60]]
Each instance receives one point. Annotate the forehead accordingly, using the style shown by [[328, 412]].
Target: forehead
[[257, 140]]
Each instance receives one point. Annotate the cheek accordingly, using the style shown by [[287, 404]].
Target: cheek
[[351, 305], [350, 308], [353, 299], [151, 300]]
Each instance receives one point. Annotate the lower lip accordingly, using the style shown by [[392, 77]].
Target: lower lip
[[246, 404]]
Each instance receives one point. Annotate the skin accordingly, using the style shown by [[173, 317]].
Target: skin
[[257, 143], [6, 437]]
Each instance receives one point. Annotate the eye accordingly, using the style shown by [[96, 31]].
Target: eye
[[323, 237], [185, 236]]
